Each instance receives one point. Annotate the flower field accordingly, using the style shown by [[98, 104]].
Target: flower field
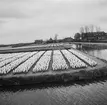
[[9, 60], [85, 58], [24, 67], [43, 61], [73, 60], [7, 56], [58, 61], [6, 69]]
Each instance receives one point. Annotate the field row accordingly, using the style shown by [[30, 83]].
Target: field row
[[51, 45], [42, 60]]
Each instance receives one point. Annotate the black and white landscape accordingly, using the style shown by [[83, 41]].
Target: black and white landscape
[[53, 52]]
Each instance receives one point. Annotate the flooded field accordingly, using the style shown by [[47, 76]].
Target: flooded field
[[100, 52], [80, 93]]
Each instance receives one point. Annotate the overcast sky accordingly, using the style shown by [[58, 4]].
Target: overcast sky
[[27, 20]]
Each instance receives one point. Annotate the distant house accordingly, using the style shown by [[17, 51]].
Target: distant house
[[68, 39], [38, 41], [94, 36]]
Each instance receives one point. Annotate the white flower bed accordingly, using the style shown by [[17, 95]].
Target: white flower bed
[[10, 66], [2, 55], [7, 56], [4, 62], [24, 67], [43, 63], [73, 60], [59, 62], [85, 58]]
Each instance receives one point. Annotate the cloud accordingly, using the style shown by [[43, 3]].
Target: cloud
[[8, 10], [20, 8], [104, 19], [1, 21], [103, 3], [27, 20]]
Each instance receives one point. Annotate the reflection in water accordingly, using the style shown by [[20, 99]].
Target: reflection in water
[[100, 53], [79, 93]]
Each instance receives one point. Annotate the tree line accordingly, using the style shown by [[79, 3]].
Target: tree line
[[88, 32]]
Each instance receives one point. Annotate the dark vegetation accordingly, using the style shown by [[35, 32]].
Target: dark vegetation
[[90, 34]]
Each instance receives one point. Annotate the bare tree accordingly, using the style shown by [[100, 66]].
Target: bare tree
[[56, 36], [91, 28], [86, 28], [82, 30], [98, 29]]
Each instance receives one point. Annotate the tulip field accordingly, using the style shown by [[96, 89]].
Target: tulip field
[[7, 68], [85, 58], [44, 61], [58, 61], [73, 60]]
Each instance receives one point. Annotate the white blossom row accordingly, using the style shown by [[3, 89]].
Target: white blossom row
[[73, 60], [25, 67], [85, 58], [9, 60], [7, 56], [12, 65], [43, 63], [50, 45], [59, 62]]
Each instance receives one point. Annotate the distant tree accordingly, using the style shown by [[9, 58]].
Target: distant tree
[[98, 29], [77, 36], [86, 28], [51, 39], [56, 36], [81, 30], [91, 28]]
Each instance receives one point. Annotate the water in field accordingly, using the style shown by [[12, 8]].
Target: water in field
[[81, 93], [100, 53]]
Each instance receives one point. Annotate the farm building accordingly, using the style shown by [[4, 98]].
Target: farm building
[[94, 36]]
